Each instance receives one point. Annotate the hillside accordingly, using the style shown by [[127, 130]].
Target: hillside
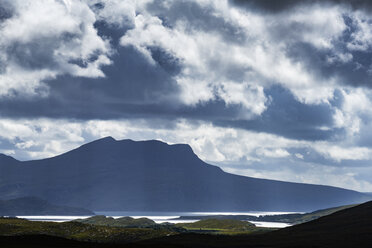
[[119, 222], [220, 224], [77, 231], [36, 206], [296, 218], [346, 228], [151, 175], [223, 227]]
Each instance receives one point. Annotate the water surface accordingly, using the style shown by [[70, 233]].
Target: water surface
[[162, 217]]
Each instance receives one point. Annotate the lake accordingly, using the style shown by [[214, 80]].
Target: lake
[[161, 217]]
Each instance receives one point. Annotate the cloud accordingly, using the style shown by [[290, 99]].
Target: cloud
[[308, 173], [257, 87], [310, 51], [275, 6], [226, 70], [339, 153], [61, 40], [275, 153], [208, 59]]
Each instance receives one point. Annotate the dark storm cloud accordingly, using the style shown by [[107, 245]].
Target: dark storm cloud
[[134, 88], [111, 31], [34, 55], [326, 63], [287, 117], [131, 87], [356, 72], [283, 5], [6, 10], [129, 96]]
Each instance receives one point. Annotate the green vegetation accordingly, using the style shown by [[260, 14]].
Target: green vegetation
[[120, 222], [129, 222], [79, 231], [223, 226], [319, 213], [103, 229], [347, 228], [302, 218], [285, 218]]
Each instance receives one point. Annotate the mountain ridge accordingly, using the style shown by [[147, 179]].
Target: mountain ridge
[[121, 175], [108, 139]]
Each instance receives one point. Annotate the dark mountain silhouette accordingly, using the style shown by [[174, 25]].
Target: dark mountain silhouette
[[151, 175], [37, 206]]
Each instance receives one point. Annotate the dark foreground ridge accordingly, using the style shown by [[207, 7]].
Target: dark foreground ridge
[[151, 175], [347, 228], [292, 218]]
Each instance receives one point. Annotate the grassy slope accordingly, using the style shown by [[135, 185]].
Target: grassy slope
[[223, 226], [346, 228], [78, 231], [286, 218], [120, 222], [319, 213]]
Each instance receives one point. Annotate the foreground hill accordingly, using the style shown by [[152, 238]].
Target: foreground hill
[[151, 175], [347, 228], [295, 218], [77, 231], [102, 220], [129, 222], [223, 227], [37, 206]]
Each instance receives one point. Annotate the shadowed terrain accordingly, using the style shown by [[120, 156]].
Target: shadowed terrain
[[292, 218], [36, 206], [153, 176], [346, 228]]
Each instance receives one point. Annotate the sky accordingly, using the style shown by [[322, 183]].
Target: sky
[[262, 88]]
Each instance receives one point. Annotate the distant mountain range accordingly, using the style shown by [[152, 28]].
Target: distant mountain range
[[36, 206], [151, 175]]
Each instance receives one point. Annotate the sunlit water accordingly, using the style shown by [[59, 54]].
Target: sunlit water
[[270, 224], [162, 217]]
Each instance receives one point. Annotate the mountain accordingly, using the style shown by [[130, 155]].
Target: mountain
[[36, 206], [151, 175]]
